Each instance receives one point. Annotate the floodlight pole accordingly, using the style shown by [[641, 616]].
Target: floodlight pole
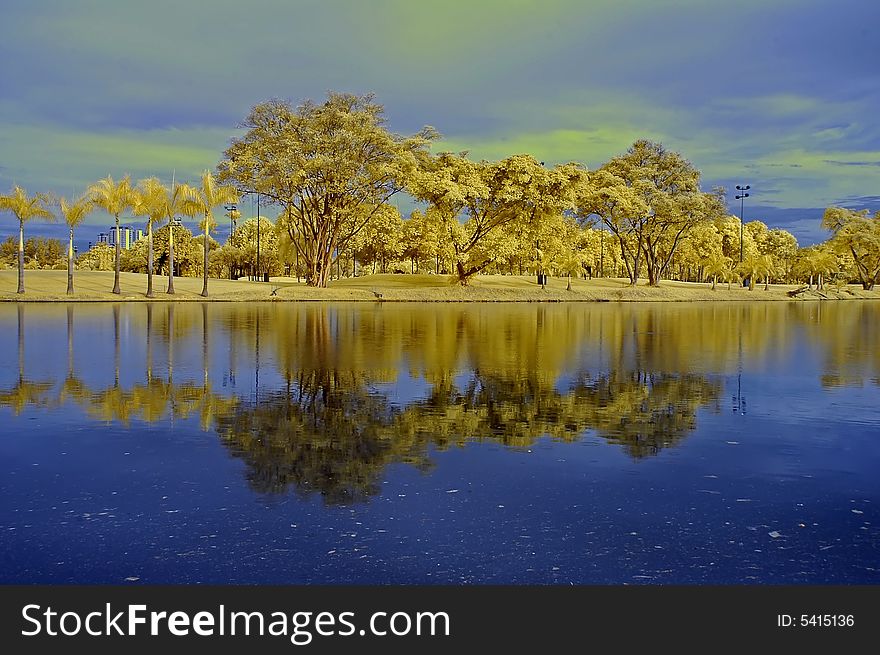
[[741, 196]]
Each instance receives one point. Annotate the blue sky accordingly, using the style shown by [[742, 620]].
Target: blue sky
[[780, 94]]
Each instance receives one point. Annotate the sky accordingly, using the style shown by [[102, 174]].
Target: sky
[[778, 94]]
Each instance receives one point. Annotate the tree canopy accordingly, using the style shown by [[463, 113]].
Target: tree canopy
[[322, 163]]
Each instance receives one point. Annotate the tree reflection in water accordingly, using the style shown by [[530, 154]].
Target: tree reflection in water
[[343, 391]]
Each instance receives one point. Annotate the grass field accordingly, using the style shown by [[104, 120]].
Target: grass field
[[44, 286]]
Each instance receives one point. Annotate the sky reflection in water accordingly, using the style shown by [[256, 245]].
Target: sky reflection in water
[[513, 443]]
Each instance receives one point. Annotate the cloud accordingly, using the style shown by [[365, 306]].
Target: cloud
[[751, 91], [852, 163]]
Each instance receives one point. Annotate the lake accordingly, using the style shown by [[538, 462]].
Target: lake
[[582, 443]]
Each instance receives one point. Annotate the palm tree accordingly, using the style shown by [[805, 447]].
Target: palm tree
[[824, 264], [717, 264], [571, 263], [769, 268], [151, 200], [202, 201], [114, 198], [74, 213], [174, 205], [25, 209], [753, 266]]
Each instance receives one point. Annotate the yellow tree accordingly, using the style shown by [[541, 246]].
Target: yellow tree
[[703, 243], [322, 163], [489, 195], [717, 264], [570, 263], [74, 213], [381, 239], [201, 201], [782, 246], [617, 205], [151, 199], [651, 199], [421, 240], [857, 234], [174, 200], [114, 198], [25, 208], [755, 265], [825, 264]]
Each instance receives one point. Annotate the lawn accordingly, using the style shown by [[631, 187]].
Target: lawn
[[96, 285]]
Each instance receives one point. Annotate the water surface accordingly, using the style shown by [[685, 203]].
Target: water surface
[[410, 443]]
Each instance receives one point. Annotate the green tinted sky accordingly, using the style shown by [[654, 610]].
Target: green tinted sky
[[781, 94]]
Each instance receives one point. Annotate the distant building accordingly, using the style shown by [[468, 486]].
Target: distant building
[[126, 236]]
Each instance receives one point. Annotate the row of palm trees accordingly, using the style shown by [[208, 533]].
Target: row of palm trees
[[149, 198]]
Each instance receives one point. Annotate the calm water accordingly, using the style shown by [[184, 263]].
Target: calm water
[[306, 443]]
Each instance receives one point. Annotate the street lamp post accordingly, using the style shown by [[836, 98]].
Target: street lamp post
[[232, 210], [258, 238], [741, 196]]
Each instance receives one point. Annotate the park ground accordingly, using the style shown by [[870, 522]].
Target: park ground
[[91, 286]]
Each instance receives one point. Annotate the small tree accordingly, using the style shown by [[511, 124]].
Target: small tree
[[74, 213], [717, 264]]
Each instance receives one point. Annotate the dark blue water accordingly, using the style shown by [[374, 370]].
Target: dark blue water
[[464, 444]]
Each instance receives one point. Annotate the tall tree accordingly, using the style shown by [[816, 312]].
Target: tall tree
[[201, 201], [114, 198], [660, 202], [25, 208], [489, 195], [620, 207], [74, 213], [858, 234], [174, 200], [323, 164], [151, 201]]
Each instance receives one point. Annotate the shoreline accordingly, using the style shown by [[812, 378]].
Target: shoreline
[[92, 287]]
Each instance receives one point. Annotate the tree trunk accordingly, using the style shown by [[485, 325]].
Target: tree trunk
[[462, 275], [319, 270], [70, 264], [170, 258], [568, 288], [714, 282], [205, 261], [20, 257], [751, 282], [150, 293], [116, 288], [767, 283]]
